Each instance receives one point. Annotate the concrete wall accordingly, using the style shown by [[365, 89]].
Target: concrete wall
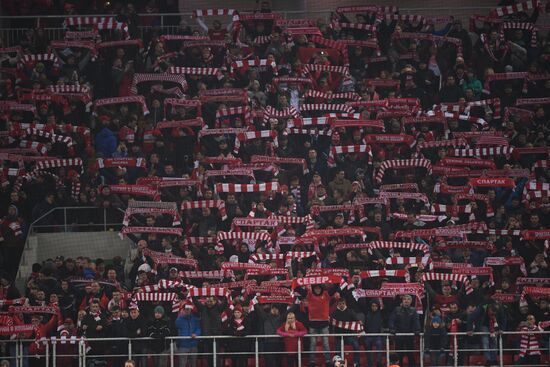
[[43, 246]]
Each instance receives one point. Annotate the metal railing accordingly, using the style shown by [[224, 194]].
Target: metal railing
[[216, 350], [68, 219]]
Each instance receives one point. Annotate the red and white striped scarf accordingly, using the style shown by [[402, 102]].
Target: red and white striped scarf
[[219, 204], [26, 59], [230, 111], [110, 23], [155, 297], [309, 121], [482, 152], [472, 119], [153, 77], [356, 326], [57, 163], [502, 261], [375, 124], [156, 230], [251, 135], [532, 101], [152, 211], [189, 70], [331, 96], [121, 162], [325, 107], [391, 139], [280, 160], [460, 142], [429, 276], [54, 138], [516, 8], [308, 68], [430, 37], [530, 341], [402, 273], [347, 149], [402, 164], [75, 91], [135, 190], [228, 265], [245, 64], [270, 112], [367, 9], [235, 188], [411, 246], [213, 274], [253, 236], [360, 26], [123, 100], [296, 31], [409, 260], [413, 18], [468, 162]]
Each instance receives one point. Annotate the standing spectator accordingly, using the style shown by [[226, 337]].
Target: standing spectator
[[270, 320], [345, 314], [211, 321], [404, 319], [292, 330], [373, 325], [435, 341], [137, 328], [530, 345], [188, 325], [159, 329], [238, 328]]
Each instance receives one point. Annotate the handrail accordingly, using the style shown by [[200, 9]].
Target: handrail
[[206, 337], [216, 354]]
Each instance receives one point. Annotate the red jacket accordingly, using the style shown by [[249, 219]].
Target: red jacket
[[292, 336], [42, 331], [318, 306]]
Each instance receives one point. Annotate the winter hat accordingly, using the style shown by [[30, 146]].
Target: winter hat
[[436, 319], [159, 309]]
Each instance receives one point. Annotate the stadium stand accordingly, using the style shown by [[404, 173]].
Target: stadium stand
[[378, 182]]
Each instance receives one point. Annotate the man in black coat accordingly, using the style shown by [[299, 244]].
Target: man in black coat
[[404, 319], [159, 329], [117, 329], [270, 319], [94, 325], [136, 326]]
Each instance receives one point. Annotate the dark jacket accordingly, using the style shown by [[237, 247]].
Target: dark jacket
[[158, 329], [404, 320], [435, 339], [269, 322], [211, 320], [346, 315], [118, 329], [136, 329], [373, 322]]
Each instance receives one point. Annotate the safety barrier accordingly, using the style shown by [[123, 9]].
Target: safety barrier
[[464, 349]]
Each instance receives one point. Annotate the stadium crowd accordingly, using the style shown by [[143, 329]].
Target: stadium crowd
[[379, 172]]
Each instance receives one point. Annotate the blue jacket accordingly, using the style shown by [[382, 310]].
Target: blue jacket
[[105, 142], [186, 326]]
